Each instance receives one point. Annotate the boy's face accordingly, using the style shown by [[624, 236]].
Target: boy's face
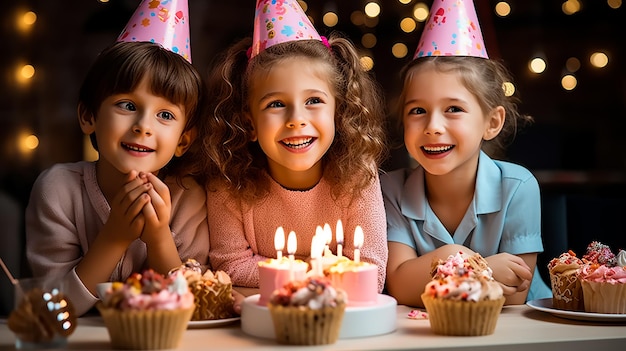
[[138, 131], [292, 111]]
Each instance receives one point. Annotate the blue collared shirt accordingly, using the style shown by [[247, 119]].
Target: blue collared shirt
[[504, 215]]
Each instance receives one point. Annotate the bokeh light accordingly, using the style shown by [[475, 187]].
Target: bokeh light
[[408, 25], [330, 19], [569, 82], [369, 40], [572, 64], [599, 59], [372, 9], [399, 50], [367, 63], [537, 65]]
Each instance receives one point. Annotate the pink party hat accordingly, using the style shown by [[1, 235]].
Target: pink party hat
[[279, 21], [163, 22], [452, 29]]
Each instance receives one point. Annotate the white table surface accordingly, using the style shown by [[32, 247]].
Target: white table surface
[[518, 328]]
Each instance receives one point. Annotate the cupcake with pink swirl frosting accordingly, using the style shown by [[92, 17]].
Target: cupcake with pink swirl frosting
[[463, 298], [147, 311], [603, 280]]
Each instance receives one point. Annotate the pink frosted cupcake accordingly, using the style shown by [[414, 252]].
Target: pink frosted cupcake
[[148, 311], [463, 298], [567, 293], [603, 280], [308, 312]]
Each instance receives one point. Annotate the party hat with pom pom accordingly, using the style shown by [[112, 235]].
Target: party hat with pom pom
[[163, 22], [452, 29], [277, 22]]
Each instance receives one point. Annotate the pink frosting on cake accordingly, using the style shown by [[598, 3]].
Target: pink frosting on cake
[[358, 280], [274, 274], [150, 291]]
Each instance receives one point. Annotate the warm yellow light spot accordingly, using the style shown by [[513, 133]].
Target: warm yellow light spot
[[104, 1], [303, 4], [371, 22], [399, 50], [27, 72], [599, 59], [407, 25], [369, 40], [420, 12], [330, 19], [357, 18], [569, 82], [29, 18], [503, 9], [537, 65], [570, 7], [30, 142], [572, 64], [614, 4], [404, 2], [509, 88], [367, 63], [372, 9]]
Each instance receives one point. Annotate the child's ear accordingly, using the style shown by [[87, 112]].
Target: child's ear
[[185, 141], [253, 135], [86, 119], [495, 123]]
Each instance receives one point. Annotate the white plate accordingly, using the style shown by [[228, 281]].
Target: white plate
[[545, 305], [211, 323]]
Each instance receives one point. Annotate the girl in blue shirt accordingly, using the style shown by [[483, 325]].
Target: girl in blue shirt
[[458, 198]]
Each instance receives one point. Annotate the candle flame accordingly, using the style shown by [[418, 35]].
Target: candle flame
[[328, 234], [339, 232], [358, 237], [292, 243], [317, 246], [279, 239]]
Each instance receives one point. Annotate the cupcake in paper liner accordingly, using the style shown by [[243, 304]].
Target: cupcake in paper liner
[[567, 293], [307, 312], [147, 312], [212, 291], [604, 285], [463, 299]]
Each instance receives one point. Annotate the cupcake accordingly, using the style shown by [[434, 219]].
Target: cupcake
[[307, 312], [567, 293], [463, 298], [147, 311], [212, 292], [603, 280]]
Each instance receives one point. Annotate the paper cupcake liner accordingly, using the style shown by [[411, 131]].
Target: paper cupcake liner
[[604, 297], [304, 326], [567, 293], [145, 330], [212, 302], [462, 318]]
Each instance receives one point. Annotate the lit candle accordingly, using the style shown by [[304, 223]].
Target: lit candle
[[292, 246], [358, 242], [279, 242], [339, 238], [317, 246], [328, 237]]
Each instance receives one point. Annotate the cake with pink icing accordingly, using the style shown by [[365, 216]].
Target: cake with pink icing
[[603, 279], [275, 273], [358, 279], [463, 298], [147, 311]]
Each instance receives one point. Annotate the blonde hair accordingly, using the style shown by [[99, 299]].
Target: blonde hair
[[485, 79], [351, 163]]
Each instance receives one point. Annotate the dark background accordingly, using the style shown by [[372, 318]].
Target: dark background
[[575, 147]]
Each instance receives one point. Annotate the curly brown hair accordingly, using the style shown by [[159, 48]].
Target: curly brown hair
[[485, 78], [351, 163]]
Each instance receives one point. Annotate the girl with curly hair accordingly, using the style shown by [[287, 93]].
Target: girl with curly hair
[[295, 138]]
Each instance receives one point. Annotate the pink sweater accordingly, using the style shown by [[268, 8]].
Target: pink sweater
[[67, 210], [241, 236]]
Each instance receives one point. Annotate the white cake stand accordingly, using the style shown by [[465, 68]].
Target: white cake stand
[[361, 321]]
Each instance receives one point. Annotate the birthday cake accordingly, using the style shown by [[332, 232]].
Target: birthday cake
[[358, 279]]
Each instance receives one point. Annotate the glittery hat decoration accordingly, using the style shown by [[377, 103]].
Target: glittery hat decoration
[[279, 21], [164, 22], [452, 29]]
